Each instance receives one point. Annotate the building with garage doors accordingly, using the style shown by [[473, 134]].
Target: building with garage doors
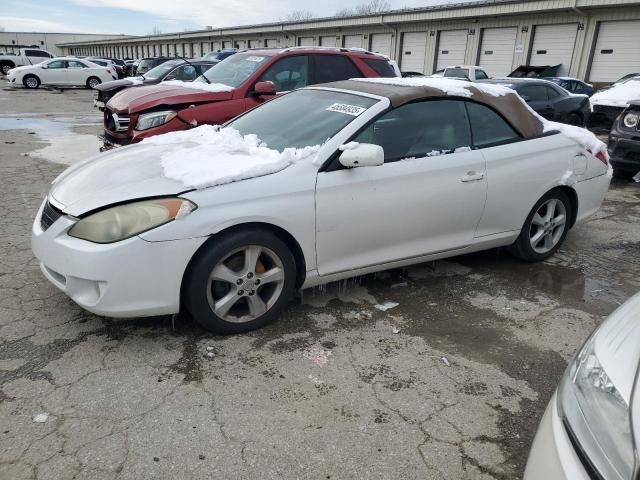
[[595, 40]]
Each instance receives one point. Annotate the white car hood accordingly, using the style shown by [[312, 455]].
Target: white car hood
[[117, 176], [618, 95], [617, 346]]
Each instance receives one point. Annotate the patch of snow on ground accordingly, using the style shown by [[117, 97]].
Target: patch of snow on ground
[[204, 86], [208, 155], [619, 95], [458, 88]]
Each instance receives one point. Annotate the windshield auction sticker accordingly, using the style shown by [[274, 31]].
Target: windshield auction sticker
[[353, 110], [253, 58]]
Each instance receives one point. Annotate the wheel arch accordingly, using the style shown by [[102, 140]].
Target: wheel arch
[[573, 198], [281, 233]]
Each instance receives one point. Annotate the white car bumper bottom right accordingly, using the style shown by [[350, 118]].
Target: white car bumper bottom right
[[552, 455], [130, 278]]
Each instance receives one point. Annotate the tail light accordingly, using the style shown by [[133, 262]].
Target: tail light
[[600, 155]]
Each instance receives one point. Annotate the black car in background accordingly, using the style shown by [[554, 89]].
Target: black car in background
[[549, 100], [624, 141], [147, 64], [177, 69]]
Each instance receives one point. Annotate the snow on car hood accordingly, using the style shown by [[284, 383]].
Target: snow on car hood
[[204, 86], [208, 155], [619, 95], [133, 100], [127, 173], [168, 164]]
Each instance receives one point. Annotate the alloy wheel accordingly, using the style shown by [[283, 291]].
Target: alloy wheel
[[245, 284], [94, 82], [6, 68], [31, 82], [547, 226]]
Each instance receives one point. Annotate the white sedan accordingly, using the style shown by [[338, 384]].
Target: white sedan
[[318, 185], [591, 427], [62, 71]]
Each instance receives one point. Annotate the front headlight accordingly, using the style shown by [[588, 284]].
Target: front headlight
[[124, 221], [154, 119], [597, 415], [631, 120]]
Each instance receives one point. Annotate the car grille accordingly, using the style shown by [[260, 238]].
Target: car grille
[[117, 122], [49, 215], [108, 138], [608, 111]]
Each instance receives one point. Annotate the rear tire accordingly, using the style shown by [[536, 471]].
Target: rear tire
[[6, 66], [240, 281], [31, 81], [545, 228], [93, 82]]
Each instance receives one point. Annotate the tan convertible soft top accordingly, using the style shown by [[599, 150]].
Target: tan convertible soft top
[[404, 90]]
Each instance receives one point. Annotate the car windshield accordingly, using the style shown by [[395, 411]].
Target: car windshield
[[234, 70], [162, 69], [317, 115], [457, 73], [145, 65]]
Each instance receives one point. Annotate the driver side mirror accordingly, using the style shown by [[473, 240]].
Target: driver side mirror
[[264, 88], [361, 155]]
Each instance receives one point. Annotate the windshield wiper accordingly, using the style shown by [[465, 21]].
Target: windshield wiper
[[189, 63]]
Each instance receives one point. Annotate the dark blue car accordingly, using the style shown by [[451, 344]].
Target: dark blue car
[[220, 54], [573, 85]]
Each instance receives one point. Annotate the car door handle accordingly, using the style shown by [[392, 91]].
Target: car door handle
[[472, 177]]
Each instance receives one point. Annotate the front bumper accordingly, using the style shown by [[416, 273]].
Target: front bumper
[[552, 454], [625, 153], [131, 278]]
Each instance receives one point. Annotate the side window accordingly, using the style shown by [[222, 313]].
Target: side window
[[534, 93], [186, 73], [288, 73], [487, 127], [481, 75], [31, 53], [420, 129], [331, 68], [381, 67], [552, 93], [75, 64], [56, 64]]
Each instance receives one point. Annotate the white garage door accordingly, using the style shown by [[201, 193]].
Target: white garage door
[[242, 44], [617, 51], [328, 41], [452, 47], [496, 53], [414, 49], [553, 45], [305, 42], [381, 43], [353, 41], [271, 43]]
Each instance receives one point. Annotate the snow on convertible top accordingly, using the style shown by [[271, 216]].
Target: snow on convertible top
[[208, 155], [453, 87], [204, 86]]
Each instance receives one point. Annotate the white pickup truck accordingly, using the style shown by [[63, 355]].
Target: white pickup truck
[[466, 72], [27, 56]]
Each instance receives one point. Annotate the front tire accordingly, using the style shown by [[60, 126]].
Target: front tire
[[575, 119], [545, 228], [31, 81], [240, 281], [93, 82], [6, 66]]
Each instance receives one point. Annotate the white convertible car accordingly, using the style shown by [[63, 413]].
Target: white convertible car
[[61, 71], [318, 185]]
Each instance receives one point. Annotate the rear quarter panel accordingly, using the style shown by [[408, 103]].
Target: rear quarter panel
[[518, 175]]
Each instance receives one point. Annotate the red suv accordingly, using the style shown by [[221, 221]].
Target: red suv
[[237, 84]]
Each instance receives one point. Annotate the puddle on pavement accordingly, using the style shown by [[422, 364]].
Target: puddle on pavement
[[64, 144]]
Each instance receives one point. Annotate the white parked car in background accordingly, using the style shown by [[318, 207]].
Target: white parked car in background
[[592, 425], [318, 185], [61, 71]]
